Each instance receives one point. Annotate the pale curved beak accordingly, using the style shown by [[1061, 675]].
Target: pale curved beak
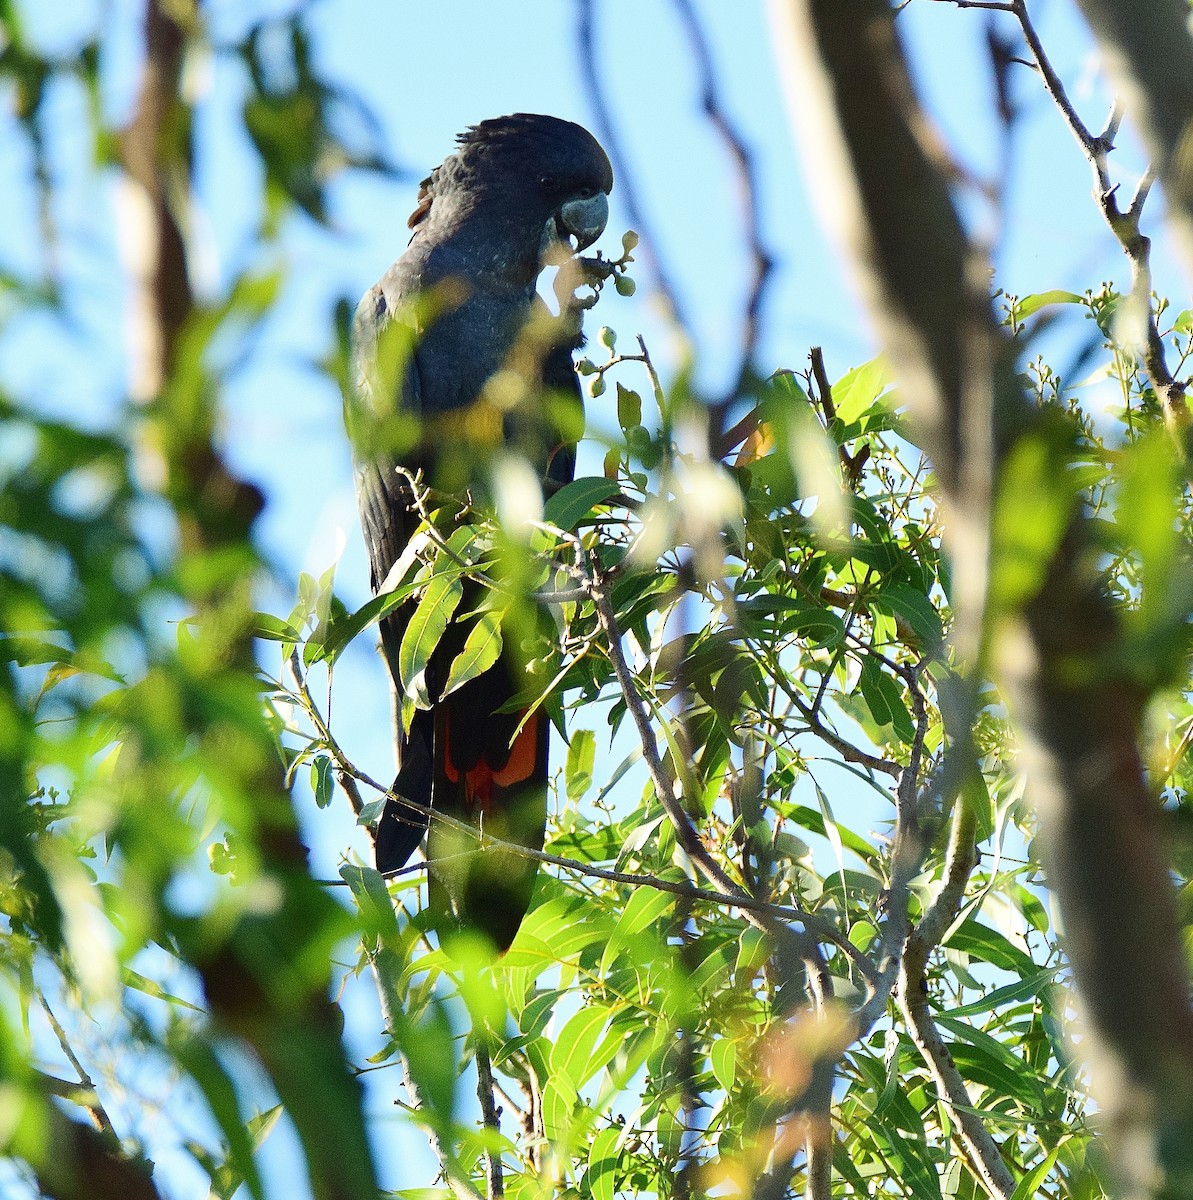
[[584, 219]]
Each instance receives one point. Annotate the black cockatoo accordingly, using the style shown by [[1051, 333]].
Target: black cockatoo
[[519, 192]]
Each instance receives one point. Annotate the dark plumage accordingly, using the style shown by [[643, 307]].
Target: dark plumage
[[519, 191]]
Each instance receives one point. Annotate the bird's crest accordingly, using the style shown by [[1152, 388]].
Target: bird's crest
[[526, 139]]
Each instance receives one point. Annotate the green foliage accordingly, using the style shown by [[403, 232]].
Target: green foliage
[[640, 1026], [779, 622]]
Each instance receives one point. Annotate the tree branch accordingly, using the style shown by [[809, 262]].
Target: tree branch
[[607, 132], [490, 1114], [1099, 821], [761, 263], [216, 513], [852, 463], [1123, 223], [1149, 52], [975, 1140], [84, 1093], [386, 968], [82, 1163]]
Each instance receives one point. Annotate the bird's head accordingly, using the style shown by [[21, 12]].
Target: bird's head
[[537, 184]]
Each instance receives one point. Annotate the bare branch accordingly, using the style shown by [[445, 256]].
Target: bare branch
[[761, 263], [820, 1167], [666, 785], [386, 969], [979, 1147], [976, 1142], [848, 751], [216, 513], [1123, 223], [85, 1093], [85, 1164], [607, 132], [490, 1113], [1149, 52]]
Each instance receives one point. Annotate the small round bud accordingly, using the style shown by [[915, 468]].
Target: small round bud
[[629, 240], [607, 337], [597, 387], [585, 367], [625, 285]]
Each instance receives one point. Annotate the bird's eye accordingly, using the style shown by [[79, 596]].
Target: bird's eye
[[546, 181]]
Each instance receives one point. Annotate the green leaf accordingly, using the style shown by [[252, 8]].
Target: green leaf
[[914, 607], [723, 1060], [1025, 306], [200, 1061], [322, 781], [28, 652], [482, 648], [343, 631], [574, 501], [580, 761], [884, 699], [813, 821], [858, 390], [1024, 989], [646, 908], [373, 901], [1031, 512], [984, 1059], [274, 629], [572, 1054], [559, 1101], [150, 987], [629, 408], [556, 931], [875, 694], [600, 1179], [988, 945], [424, 632], [794, 618], [1029, 1186]]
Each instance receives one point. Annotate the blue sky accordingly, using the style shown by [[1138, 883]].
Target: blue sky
[[427, 71]]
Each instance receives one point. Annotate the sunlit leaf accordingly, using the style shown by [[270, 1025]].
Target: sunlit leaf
[[423, 633], [574, 501], [482, 648]]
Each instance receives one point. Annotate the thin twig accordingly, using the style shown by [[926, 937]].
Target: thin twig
[[666, 786], [974, 1138], [86, 1095], [845, 749], [818, 926], [852, 463], [744, 175], [490, 1114], [1124, 224], [321, 727], [386, 969], [668, 293]]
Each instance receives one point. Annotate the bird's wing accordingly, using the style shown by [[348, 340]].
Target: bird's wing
[[388, 521]]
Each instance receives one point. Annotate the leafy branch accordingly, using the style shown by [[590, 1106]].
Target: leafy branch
[[1124, 222]]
